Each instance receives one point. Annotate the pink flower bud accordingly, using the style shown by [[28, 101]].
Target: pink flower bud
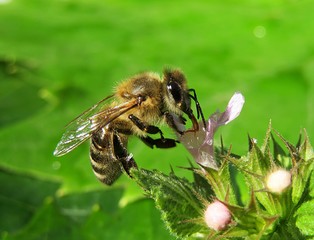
[[217, 216], [278, 180]]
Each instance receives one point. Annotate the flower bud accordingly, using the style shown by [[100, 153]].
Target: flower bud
[[278, 180], [217, 216]]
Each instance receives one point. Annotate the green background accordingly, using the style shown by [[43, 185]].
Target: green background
[[58, 58]]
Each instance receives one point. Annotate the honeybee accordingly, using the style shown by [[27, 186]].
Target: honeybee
[[137, 106]]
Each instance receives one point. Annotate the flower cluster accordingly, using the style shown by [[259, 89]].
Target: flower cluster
[[279, 200]]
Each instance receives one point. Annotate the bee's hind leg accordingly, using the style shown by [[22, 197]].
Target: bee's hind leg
[[121, 153]]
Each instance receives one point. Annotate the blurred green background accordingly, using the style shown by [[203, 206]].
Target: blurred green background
[[59, 57]]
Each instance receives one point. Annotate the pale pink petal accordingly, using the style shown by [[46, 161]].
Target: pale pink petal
[[201, 144], [233, 109]]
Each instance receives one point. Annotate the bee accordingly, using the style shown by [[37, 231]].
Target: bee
[[138, 105]]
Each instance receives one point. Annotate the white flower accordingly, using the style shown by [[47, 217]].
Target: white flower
[[201, 144], [278, 181]]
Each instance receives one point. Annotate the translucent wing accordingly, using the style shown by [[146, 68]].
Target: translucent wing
[[82, 127]]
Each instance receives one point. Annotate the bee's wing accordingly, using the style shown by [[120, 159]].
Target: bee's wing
[[82, 127]]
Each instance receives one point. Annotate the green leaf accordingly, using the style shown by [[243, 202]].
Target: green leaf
[[266, 143], [311, 187], [137, 220], [280, 156], [252, 222], [19, 99], [306, 149], [181, 207], [305, 218], [293, 151], [201, 184], [259, 160], [20, 196], [78, 206], [301, 180], [258, 168], [219, 181], [47, 223], [99, 222], [31, 210]]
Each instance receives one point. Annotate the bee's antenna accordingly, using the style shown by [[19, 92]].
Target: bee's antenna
[[198, 106]]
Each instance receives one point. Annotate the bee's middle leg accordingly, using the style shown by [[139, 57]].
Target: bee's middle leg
[[145, 127], [160, 142]]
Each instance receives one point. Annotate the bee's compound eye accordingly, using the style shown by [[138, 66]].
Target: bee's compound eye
[[175, 91]]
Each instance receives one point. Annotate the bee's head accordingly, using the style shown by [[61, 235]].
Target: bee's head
[[178, 98]]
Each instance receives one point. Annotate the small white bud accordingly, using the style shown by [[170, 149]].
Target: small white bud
[[278, 181], [217, 216]]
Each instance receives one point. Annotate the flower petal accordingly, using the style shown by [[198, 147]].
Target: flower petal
[[201, 143], [233, 109]]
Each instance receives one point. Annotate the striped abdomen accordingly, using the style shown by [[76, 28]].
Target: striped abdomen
[[109, 156]]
